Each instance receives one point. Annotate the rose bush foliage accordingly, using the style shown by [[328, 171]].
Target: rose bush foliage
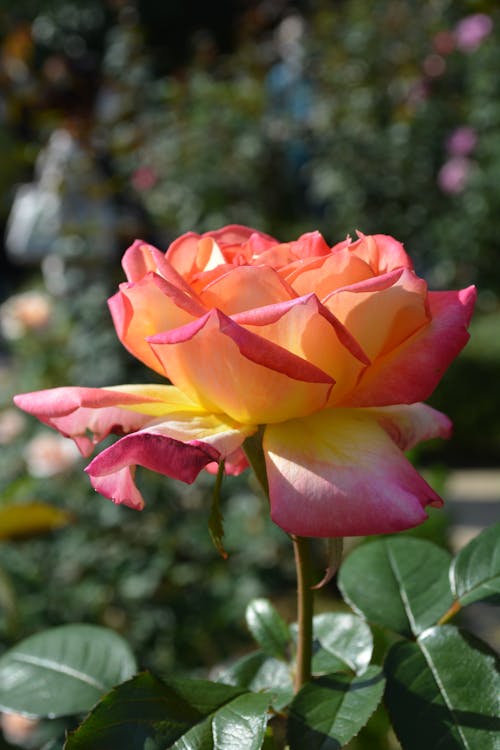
[[330, 350]]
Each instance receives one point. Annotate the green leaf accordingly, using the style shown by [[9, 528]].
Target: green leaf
[[215, 524], [329, 711], [475, 572], [63, 670], [399, 582], [259, 672], [179, 714], [268, 628], [341, 641], [443, 692]]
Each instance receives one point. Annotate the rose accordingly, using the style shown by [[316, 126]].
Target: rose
[[326, 352]]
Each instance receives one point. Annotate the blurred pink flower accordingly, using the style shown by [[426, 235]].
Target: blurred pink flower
[[11, 425], [444, 42], [454, 174], [47, 455], [23, 312], [434, 65], [472, 30], [462, 141], [18, 729], [144, 178]]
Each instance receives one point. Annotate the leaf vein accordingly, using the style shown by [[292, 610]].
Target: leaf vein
[[402, 592], [442, 689], [60, 668]]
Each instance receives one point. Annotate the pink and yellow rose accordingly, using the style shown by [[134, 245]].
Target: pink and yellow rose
[[329, 350]]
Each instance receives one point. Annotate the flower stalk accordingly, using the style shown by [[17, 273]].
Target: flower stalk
[[305, 609]]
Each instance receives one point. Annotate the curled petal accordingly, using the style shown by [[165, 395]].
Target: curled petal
[[141, 259], [111, 473], [410, 424], [147, 307], [179, 448], [228, 369], [339, 473], [119, 486], [412, 370], [382, 252], [184, 254]]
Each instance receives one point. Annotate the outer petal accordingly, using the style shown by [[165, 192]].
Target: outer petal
[[230, 370], [88, 415], [147, 307], [410, 424], [179, 448], [411, 372], [338, 473]]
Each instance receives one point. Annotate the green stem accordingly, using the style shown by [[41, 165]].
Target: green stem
[[305, 604], [301, 545], [453, 610]]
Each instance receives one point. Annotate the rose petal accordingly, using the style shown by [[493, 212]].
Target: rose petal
[[382, 252], [338, 473], [326, 274], [382, 312], [141, 258], [179, 448], [308, 329], [228, 369], [119, 487], [111, 475], [183, 252], [411, 372], [308, 246], [236, 234], [146, 307], [410, 424], [245, 288], [88, 415], [234, 464]]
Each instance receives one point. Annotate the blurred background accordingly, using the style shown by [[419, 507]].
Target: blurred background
[[136, 118]]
